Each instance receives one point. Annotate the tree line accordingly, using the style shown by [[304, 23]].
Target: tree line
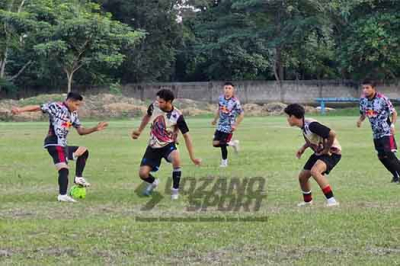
[[62, 43]]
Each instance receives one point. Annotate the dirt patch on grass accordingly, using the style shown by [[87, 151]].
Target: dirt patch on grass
[[118, 106]]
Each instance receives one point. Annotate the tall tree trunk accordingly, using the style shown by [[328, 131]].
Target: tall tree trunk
[[70, 76]]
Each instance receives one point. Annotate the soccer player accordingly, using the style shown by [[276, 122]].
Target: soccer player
[[327, 153], [165, 121], [382, 116], [62, 116], [230, 115]]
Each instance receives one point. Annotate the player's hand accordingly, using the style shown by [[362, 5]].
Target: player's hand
[[135, 134], [15, 111], [299, 153], [359, 122], [325, 152], [214, 122], [196, 161], [101, 125]]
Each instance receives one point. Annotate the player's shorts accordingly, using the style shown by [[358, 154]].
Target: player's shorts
[[222, 137], [385, 144], [152, 157], [61, 154], [330, 160]]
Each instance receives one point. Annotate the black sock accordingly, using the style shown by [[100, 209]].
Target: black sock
[[80, 163], [176, 177], [224, 152], [63, 180], [150, 179]]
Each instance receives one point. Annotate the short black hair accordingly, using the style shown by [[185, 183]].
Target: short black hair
[[295, 109], [74, 96], [228, 83], [369, 82], [166, 95]]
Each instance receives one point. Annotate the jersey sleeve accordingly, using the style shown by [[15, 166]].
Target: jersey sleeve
[[389, 105], [150, 110], [182, 125], [49, 108], [238, 108], [76, 123], [362, 112], [319, 129]]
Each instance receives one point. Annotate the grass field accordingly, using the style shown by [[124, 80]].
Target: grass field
[[108, 227]]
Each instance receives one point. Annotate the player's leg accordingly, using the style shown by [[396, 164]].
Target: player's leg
[[174, 158], [385, 147], [322, 165], [150, 163], [220, 141], [80, 155], [60, 160], [305, 186], [234, 143]]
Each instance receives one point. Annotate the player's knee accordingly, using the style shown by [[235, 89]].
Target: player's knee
[[216, 144], [315, 171], [85, 154], [143, 174]]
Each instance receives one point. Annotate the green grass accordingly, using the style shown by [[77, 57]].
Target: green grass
[[106, 229]]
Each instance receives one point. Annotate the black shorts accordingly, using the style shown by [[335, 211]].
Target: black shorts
[[385, 144], [61, 154], [330, 161], [152, 157], [222, 137]]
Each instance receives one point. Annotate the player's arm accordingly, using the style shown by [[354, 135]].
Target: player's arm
[[324, 132], [360, 120], [329, 142], [145, 120], [190, 149], [216, 116], [302, 150], [29, 108], [85, 131], [238, 121]]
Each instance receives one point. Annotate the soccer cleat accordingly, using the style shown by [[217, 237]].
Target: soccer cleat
[[304, 204], [332, 204], [395, 180], [235, 145], [65, 198], [150, 187], [81, 181], [224, 163], [175, 194]]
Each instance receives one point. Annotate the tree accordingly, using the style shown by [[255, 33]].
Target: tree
[[82, 36], [14, 24]]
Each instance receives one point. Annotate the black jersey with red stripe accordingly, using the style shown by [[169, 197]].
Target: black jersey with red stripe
[[61, 119]]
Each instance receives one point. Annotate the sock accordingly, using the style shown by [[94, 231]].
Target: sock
[[307, 196], [328, 194], [63, 180], [224, 152], [81, 163], [176, 177], [150, 179]]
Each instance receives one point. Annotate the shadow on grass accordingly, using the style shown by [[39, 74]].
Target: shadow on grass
[[154, 198]]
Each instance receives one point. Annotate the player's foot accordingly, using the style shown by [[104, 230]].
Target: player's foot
[[224, 163], [150, 187], [395, 180], [175, 193], [81, 181], [304, 204], [332, 204], [235, 145], [65, 198]]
